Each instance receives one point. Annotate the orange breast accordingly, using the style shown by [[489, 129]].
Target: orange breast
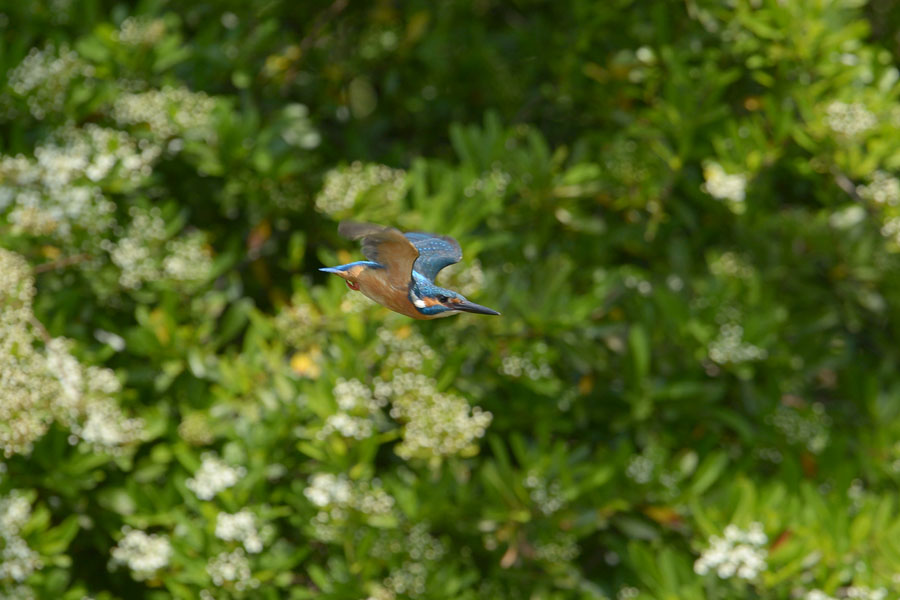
[[371, 284]]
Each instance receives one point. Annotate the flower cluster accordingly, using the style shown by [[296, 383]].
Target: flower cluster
[[17, 560], [240, 527], [435, 424], [883, 188], [298, 130], [739, 553], [328, 490], [39, 387], [144, 554], [515, 366], [141, 31], [168, 112], [345, 187], [232, 569], [43, 78], [722, 186], [853, 592], [61, 188], [404, 348], [562, 548], [213, 476], [491, 183], [295, 322], [187, 258], [809, 428], [358, 410], [143, 255], [548, 498], [336, 496], [729, 346], [729, 264], [849, 119]]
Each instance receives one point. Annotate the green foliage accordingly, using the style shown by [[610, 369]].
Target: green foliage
[[688, 214]]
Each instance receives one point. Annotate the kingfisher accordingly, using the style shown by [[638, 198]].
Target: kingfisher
[[401, 270]]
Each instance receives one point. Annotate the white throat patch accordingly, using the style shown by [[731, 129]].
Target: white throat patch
[[416, 300]]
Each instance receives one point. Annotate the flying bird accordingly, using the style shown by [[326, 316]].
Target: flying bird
[[401, 270]]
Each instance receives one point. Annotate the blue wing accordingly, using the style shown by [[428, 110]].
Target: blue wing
[[435, 252]]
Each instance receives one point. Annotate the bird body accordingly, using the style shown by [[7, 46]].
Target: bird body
[[401, 270]]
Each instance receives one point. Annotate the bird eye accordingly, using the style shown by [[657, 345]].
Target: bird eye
[[442, 298]]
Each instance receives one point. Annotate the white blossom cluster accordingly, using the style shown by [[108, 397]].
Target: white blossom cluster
[[722, 186], [143, 255], [849, 119], [140, 31], [168, 112], [17, 560], [561, 549], [640, 469], [491, 183], [336, 496], [408, 580], [891, 229], [417, 544], [240, 527], [810, 429], [40, 386], [43, 78], [738, 553], [435, 424], [729, 347], [144, 554], [515, 365], [358, 411], [213, 476], [853, 592], [328, 490], [60, 189], [187, 258], [404, 348], [299, 130], [295, 323], [345, 186], [883, 188], [232, 569], [730, 264], [548, 498]]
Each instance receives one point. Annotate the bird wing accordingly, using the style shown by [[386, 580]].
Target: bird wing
[[386, 246], [435, 252]]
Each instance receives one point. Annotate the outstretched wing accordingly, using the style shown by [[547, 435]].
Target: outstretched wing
[[435, 252], [386, 246]]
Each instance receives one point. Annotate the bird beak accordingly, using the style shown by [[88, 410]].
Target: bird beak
[[474, 308]]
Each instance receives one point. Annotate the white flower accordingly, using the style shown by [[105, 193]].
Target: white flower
[[232, 568], [721, 185], [345, 186], [739, 553], [240, 527], [143, 554], [849, 119], [213, 476], [325, 489]]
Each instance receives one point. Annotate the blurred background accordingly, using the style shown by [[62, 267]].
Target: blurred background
[[688, 214]]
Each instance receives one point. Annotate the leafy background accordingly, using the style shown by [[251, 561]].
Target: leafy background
[[688, 214]]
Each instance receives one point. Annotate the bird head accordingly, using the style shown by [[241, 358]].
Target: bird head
[[434, 301]]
